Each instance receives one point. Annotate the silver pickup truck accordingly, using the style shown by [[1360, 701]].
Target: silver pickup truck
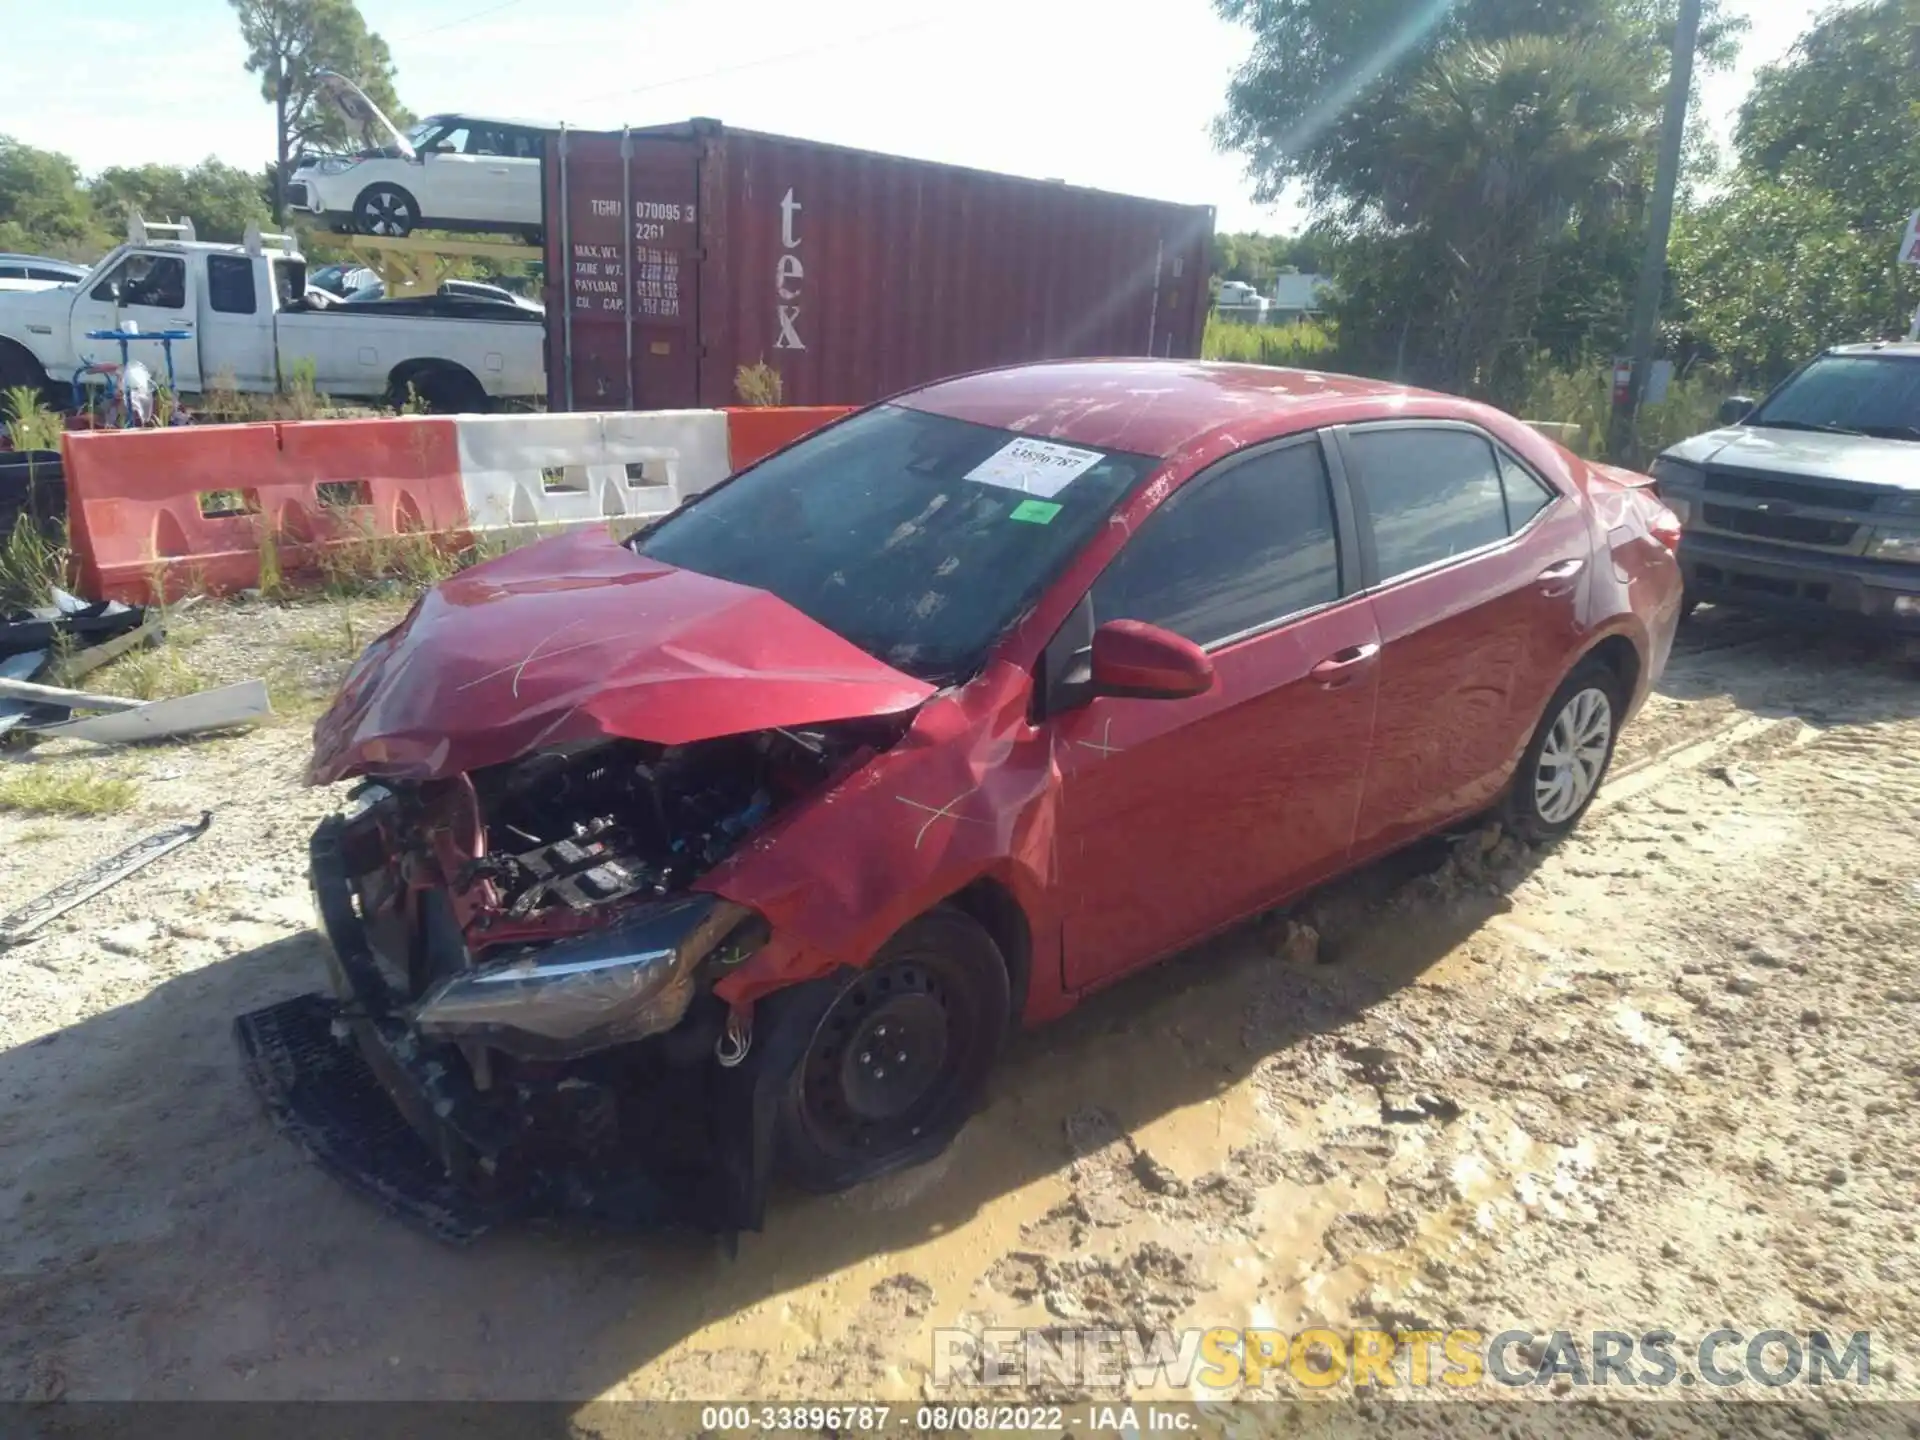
[[1808, 503]]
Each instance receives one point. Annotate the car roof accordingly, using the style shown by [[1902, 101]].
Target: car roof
[[14, 257], [1159, 407], [473, 119], [1879, 347]]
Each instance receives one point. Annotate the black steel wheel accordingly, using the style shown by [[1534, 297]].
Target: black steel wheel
[[901, 1056], [385, 210]]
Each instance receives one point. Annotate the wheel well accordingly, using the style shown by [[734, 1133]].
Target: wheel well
[[420, 374], [366, 190], [992, 906], [15, 355], [1616, 652]]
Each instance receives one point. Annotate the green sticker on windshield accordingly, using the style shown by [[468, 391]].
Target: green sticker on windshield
[[1035, 512]]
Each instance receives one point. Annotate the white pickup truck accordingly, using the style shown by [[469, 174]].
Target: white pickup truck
[[253, 326]]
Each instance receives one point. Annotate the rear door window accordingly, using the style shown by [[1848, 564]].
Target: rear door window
[[1428, 494], [230, 284], [1230, 552]]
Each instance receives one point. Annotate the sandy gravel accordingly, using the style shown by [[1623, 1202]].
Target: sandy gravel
[[1664, 1076]]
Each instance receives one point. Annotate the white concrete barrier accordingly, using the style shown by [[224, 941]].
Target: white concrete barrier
[[684, 450], [564, 470]]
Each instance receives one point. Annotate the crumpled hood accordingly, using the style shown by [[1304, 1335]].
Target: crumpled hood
[[580, 637], [1865, 459]]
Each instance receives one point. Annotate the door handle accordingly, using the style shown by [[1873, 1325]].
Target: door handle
[[1558, 579], [1343, 666]]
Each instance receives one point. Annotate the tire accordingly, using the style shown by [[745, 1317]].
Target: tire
[[19, 368], [1550, 794], [943, 982], [445, 390], [385, 210]]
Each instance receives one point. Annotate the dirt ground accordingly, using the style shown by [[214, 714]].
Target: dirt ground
[[1664, 1076]]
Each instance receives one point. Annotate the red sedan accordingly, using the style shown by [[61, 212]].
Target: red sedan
[[739, 847]]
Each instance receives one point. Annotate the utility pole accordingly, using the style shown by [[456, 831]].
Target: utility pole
[[1653, 267]]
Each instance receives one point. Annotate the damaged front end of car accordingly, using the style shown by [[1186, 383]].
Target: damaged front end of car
[[526, 975], [555, 752]]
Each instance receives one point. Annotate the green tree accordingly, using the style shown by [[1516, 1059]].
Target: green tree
[[1460, 151], [1499, 148], [222, 200], [1840, 113], [42, 204], [1772, 272], [1800, 249], [290, 44]]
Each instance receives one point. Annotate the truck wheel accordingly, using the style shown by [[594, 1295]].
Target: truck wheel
[[443, 389], [385, 210], [19, 368], [901, 1057]]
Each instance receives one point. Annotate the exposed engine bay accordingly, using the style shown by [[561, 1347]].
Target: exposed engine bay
[[526, 972], [616, 820]]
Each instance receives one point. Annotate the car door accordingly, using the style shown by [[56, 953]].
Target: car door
[[1475, 593], [1179, 816], [153, 291], [237, 350], [518, 174], [452, 185]]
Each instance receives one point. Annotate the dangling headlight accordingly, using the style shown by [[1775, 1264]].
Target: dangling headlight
[[633, 979]]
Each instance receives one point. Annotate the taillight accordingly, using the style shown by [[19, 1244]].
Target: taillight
[[1664, 526]]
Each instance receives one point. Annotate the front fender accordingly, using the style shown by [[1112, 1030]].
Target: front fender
[[969, 792], [40, 329]]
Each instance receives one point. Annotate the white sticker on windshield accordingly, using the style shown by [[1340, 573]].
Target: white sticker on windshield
[[1034, 467]]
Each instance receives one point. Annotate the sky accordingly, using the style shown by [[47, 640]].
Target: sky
[[1080, 90]]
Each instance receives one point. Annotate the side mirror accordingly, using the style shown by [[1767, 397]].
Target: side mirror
[[1143, 662], [1736, 408]]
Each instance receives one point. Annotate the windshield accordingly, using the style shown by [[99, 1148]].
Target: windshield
[[1858, 394], [875, 529], [417, 136]]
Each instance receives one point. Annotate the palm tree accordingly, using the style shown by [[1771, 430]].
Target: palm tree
[[1499, 148]]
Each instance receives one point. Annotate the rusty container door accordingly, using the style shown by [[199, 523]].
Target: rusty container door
[[856, 275], [623, 272]]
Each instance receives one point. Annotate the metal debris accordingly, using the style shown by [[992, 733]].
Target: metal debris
[[221, 709], [97, 877]]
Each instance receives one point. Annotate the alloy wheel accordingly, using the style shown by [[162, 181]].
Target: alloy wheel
[[386, 214], [1574, 756]]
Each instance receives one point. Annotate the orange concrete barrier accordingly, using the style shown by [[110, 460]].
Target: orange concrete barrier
[[354, 480], [754, 433], [166, 509], [157, 513], [208, 508]]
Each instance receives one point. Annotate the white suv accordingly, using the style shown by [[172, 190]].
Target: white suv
[[449, 172]]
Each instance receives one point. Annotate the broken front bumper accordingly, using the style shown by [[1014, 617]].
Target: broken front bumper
[[644, 1132]]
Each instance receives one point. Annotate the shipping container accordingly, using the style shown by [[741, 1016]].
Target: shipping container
[[677, 254]]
